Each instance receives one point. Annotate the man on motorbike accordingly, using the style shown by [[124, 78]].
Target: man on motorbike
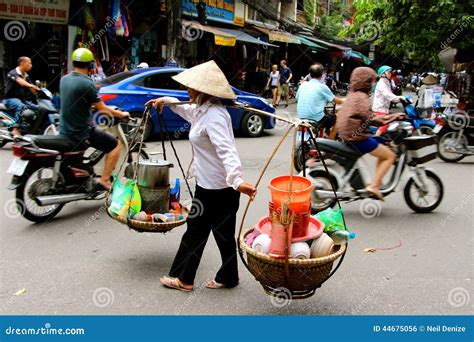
[[312, 96], [383, 95], [353, 123], [18, 92], [78, 93]]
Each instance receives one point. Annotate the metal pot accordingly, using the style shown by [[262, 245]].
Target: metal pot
[[154, 173]]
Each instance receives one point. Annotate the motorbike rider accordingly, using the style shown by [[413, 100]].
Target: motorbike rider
[[18, 92], [78, 93], [383, 95], [353, 123]]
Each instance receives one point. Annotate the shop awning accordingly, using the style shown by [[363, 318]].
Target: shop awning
[[322, 42], [312, 45], [358, 55], [220, 37], [244, 37], [280, 36]]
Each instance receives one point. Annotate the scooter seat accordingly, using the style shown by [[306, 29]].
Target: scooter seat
[[56, 142], [333, 148]]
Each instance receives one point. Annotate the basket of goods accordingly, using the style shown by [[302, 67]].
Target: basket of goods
[[289, 251], [146, 202]]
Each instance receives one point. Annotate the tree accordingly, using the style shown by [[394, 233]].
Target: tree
[[413, 29]]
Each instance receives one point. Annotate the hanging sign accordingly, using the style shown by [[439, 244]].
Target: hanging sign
[[39, 11], [216, 10]]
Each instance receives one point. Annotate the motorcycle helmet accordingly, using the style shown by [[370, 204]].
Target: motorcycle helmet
[[142, 65], [383, 69], [82, 55]]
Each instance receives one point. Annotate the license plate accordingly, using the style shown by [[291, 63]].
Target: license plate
[[437, 129], [17, 167]]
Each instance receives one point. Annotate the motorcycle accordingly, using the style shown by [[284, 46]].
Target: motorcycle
[[423, 191], [455, 136], [50, 171], [304, 143], [43, 121]]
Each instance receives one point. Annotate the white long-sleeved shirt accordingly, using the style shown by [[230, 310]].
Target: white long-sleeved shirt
[[383, 96], [216, 163]]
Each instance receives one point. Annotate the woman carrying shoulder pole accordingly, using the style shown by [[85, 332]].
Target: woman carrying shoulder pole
[[217, 168]]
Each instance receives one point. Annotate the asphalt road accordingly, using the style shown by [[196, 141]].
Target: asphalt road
[[82, 262]]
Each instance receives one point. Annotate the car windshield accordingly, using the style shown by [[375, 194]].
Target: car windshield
[[118, 77]]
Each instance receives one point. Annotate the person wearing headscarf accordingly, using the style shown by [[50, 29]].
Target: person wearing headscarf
[[354, 119], [219, 181]]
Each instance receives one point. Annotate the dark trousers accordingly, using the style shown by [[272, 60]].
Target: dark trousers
[[212, 210]]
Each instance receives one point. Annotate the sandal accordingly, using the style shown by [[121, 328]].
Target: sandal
[[174, 283], [213, 284], [376, 194]]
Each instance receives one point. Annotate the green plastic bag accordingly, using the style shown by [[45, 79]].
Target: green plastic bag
[[332, 220], [126, 200]]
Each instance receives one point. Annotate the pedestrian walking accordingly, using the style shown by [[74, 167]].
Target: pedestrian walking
[[273, 83], [218, 172], [285, 77]]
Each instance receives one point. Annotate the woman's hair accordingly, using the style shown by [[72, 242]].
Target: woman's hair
[[274, 66]]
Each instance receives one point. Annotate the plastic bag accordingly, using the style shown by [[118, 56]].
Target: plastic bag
[[332, 220], [126, 200]]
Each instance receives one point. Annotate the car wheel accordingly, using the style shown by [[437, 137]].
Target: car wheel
[[252, 125]]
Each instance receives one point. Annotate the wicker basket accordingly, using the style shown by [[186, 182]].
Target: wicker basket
[[150, 227], [305, 276]]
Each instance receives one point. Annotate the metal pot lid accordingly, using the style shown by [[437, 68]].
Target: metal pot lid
[[155, 162]]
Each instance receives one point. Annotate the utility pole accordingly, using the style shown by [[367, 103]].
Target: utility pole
[[173, 9]]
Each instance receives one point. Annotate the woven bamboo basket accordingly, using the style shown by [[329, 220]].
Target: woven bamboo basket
[[305, 276], [151, 227]]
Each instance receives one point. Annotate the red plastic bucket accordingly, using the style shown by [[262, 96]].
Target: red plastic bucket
[[299, 197]]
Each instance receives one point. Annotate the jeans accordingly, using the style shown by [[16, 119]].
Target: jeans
[[17, 107]]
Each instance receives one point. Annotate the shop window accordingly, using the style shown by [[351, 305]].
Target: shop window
[[162, 80]]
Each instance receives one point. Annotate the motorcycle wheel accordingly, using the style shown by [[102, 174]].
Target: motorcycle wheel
[[50, 130], [449, 138], [39, 181], [301, 155], [321, 181], [422, 205]]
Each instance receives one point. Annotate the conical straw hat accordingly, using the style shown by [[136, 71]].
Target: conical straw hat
[[430, 80], [206, 78]]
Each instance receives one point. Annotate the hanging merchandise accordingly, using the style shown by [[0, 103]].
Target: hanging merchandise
[[160, 207], [119, 15]]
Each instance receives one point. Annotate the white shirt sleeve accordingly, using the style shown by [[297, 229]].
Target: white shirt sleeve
[[185, 110], [221, 136], [386, 92]]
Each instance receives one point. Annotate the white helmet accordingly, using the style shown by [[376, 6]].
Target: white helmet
[[143, 65]]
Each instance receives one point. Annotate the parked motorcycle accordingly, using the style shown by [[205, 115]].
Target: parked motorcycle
[[50, 171], [43, 121], [423, 191], [455, 136]]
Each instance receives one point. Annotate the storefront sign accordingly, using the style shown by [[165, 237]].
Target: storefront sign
[[216, 10], [40, 11]]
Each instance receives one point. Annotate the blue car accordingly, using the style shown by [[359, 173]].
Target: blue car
[[130, 90]]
